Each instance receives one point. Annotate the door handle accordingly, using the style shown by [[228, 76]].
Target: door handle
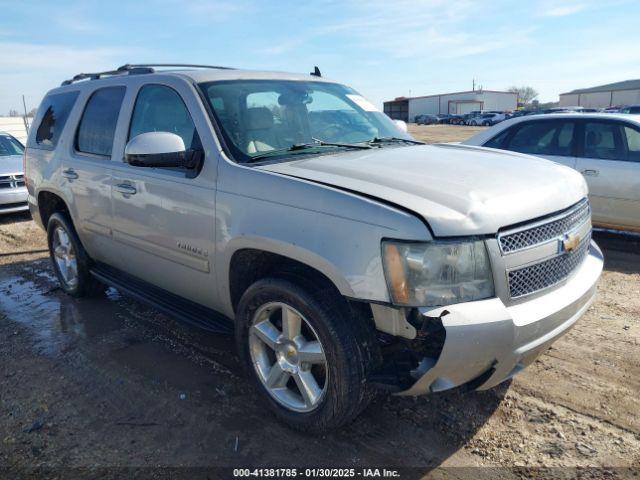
[[590, 173], [126, 189], [70, 173]]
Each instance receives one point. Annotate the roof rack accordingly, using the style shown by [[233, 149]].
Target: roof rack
[[180, 65], [136, 69]]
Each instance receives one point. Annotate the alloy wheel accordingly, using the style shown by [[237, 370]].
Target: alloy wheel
[[288, 357], [64, 255]]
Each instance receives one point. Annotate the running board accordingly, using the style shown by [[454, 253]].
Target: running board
[[168, 303]]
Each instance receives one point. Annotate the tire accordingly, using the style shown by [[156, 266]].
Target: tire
[[70, 260], [347, 343]]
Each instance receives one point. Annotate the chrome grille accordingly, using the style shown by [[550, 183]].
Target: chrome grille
[[552, 228], [11, 181], [533, 278]]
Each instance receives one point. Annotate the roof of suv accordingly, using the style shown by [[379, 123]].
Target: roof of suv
[[198, 75]]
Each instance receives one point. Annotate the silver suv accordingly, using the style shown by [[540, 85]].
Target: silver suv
[[347, 257]]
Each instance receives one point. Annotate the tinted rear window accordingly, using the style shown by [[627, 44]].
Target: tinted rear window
[[56, 110], [98, 124]]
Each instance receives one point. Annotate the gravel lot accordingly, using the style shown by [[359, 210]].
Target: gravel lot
[[110, 382]]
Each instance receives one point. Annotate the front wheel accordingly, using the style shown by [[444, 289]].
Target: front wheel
[[305, 352]]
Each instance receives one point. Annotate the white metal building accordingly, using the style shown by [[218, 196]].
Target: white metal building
[[457, 103], [612, 94]]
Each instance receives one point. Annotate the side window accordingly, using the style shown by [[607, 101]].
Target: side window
[[160, 109], [603, 140], [498, 140], [98, 124], [56, 110], [544, 138], [632, 137]]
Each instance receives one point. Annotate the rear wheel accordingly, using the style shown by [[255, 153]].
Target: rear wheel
[[307, 356], [70, 261]]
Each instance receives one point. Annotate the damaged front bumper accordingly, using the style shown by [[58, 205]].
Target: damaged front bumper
[[487, 342]]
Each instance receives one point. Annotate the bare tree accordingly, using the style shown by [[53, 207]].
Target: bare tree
[[525, 93], [14, 113]]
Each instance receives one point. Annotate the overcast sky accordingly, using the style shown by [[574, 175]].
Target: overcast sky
[[383, 48]]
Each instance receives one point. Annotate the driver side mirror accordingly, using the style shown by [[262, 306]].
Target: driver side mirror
[[160, 149]]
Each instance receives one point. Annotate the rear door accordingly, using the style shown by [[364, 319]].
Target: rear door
[[552, 139], [164, 218], [86, 169], [609, 159]]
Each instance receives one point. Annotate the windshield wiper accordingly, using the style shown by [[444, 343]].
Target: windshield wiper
[[380, 140], [299, 147]]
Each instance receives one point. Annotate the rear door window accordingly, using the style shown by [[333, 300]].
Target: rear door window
[[603, 140], [544, 138], [632, 138], [56, 109], [98, 124]]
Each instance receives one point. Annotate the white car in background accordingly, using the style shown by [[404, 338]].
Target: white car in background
[[13, 193], [605, 148], [487, 119]]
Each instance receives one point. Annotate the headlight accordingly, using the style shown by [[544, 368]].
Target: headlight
[[437, 273]]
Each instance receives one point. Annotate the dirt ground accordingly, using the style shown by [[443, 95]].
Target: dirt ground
[[443, 133], [109, 382]]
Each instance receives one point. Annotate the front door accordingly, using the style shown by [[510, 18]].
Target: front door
[[164, 217], [610, 163]]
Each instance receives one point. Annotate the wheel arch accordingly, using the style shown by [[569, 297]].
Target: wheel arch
[[253, 259], [50, 202]]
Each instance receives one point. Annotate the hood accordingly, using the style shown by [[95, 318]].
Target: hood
[[456, 189], [10, 164]]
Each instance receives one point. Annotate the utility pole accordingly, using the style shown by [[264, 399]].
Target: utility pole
[[474, 85], [26, 122]]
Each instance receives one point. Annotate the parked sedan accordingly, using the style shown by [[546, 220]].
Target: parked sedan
[[13, 193], [426, 119], [605, 148]]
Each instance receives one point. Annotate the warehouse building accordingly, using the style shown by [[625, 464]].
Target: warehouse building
[[458, 103], [612, 94]]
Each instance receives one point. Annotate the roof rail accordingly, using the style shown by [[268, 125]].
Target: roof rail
[[123, 70], [135, 69], [188, 65]]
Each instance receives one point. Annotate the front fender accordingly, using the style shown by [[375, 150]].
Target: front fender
[[335, 232]]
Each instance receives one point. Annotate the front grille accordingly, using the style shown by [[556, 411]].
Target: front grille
[[11, 181], [548, 273], [555, 227]]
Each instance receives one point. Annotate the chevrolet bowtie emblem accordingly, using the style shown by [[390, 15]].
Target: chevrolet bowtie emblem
[[569, 243]]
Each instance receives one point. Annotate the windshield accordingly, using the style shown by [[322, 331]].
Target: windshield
[[262, 116], [10, 146]]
